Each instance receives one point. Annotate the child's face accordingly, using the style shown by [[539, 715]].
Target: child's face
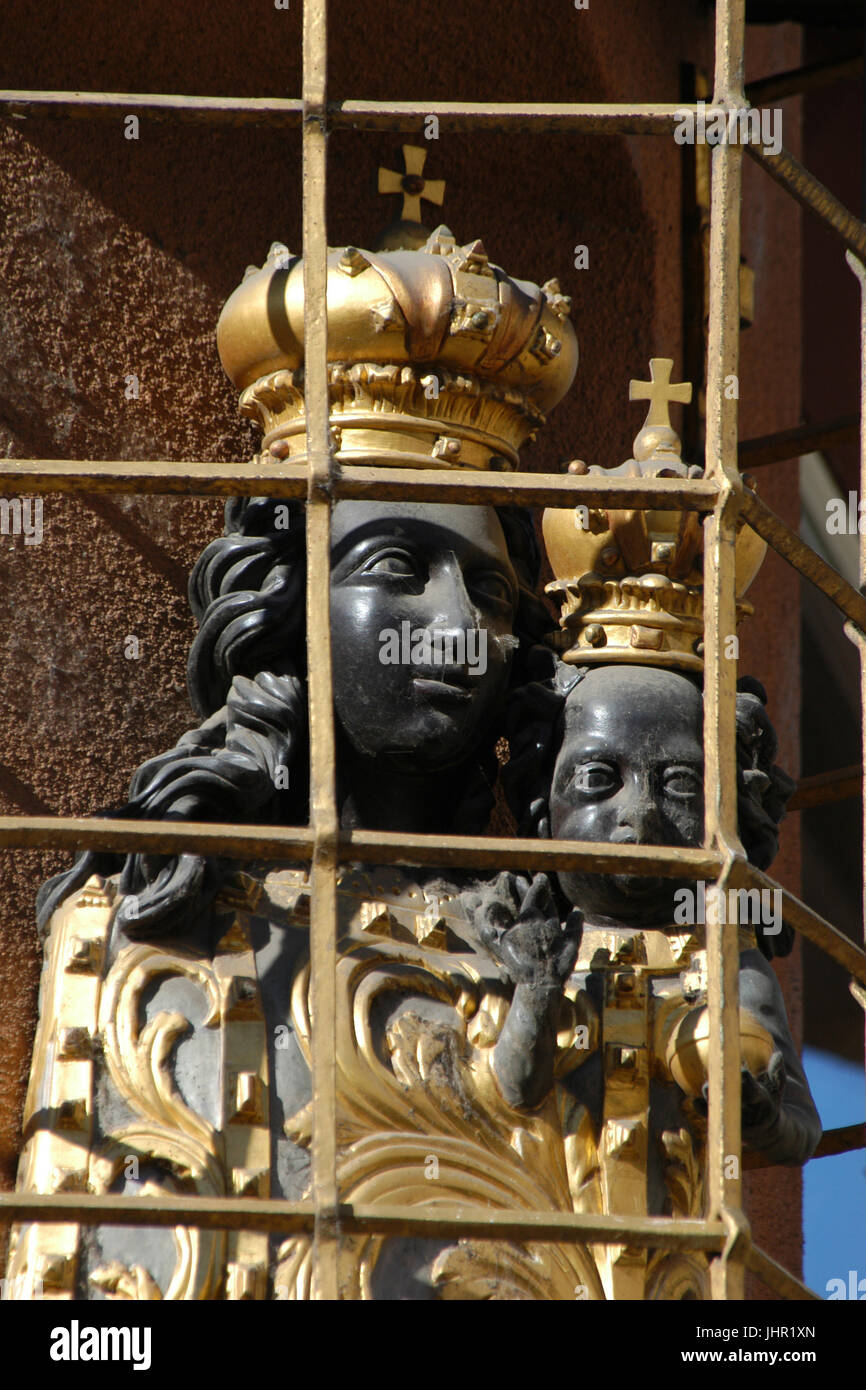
[[630, 771]]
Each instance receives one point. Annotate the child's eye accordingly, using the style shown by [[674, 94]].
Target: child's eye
[[682, 781], [595, 777]]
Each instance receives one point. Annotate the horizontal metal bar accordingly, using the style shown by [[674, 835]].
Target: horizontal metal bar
[[811, 194], [530, 489], [155, 837], [277, 111], [843, 1140], [371, 847], [467, 851], [793, 443], [846, 1139], [789, 545], [805, 79], [802, 918], [771, 1273], [354, 481], [612, 118], [279, 1217], [827, 787], [619, 118]]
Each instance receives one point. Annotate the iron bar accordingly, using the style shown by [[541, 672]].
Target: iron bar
[[616, 118], [827, 787], [323, 808], [280, 1217], [802, 439], [47, 476], [805, 920], [776, 1278], [808, 78], [811, 194], [724, 1183], [845, 1139], [789, 545], [273, 842], [273, 111]]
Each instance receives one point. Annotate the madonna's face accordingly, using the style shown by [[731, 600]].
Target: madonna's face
[[630, 771], [423, 600]]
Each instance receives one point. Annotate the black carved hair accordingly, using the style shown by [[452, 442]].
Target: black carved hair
[[247, 678], [535, 731]]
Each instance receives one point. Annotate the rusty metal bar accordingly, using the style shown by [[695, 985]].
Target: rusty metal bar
[[724, 1185], [810, 193], [802, 439], [614, 118], [280, 1217], [808, 78], [844, 1140], [776, 1278], [273, 111], [47, 476], [247, 842], [856, 632], [827, 787], [617, 118], [789, 545], [323, 805], [805, 920]]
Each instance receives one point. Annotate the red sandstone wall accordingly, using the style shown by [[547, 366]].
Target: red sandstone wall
[[116, 255]]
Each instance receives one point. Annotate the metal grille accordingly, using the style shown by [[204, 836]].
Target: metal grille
[[721, 496]]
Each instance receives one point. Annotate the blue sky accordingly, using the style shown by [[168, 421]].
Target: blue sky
[[834, 1189]]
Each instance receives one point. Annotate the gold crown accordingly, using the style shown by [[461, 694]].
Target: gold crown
[[436, 357], [630, 583]]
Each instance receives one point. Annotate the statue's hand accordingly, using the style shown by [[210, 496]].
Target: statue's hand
[[518, 923], [761, 1098]]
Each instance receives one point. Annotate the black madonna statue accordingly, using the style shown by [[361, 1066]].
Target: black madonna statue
[[173, 1048], [610, 748]]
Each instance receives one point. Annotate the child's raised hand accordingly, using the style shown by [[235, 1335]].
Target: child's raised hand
[[518, 922]]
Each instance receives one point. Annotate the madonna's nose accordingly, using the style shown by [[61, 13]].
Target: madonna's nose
[[450, 604]]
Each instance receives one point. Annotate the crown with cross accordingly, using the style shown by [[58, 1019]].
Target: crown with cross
[[436, 357], [630, 583]]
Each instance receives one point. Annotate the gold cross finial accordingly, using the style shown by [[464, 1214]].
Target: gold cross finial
[[412, 184], [659, 392], [658, 436]]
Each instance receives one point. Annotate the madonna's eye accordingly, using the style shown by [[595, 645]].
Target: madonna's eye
[[682, 781], [394, 562], [491, 587], [595, 777]]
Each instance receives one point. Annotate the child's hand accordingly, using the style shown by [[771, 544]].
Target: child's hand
[[518, 923], [761, 1099]]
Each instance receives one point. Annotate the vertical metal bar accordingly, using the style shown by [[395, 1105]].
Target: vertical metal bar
[[724, 1130], [323, 812], [855, 634]]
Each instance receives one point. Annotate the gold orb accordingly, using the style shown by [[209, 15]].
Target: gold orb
[[688, 1050]]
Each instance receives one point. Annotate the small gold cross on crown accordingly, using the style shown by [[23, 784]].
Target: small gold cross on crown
[[658, 435], [412, 184]]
